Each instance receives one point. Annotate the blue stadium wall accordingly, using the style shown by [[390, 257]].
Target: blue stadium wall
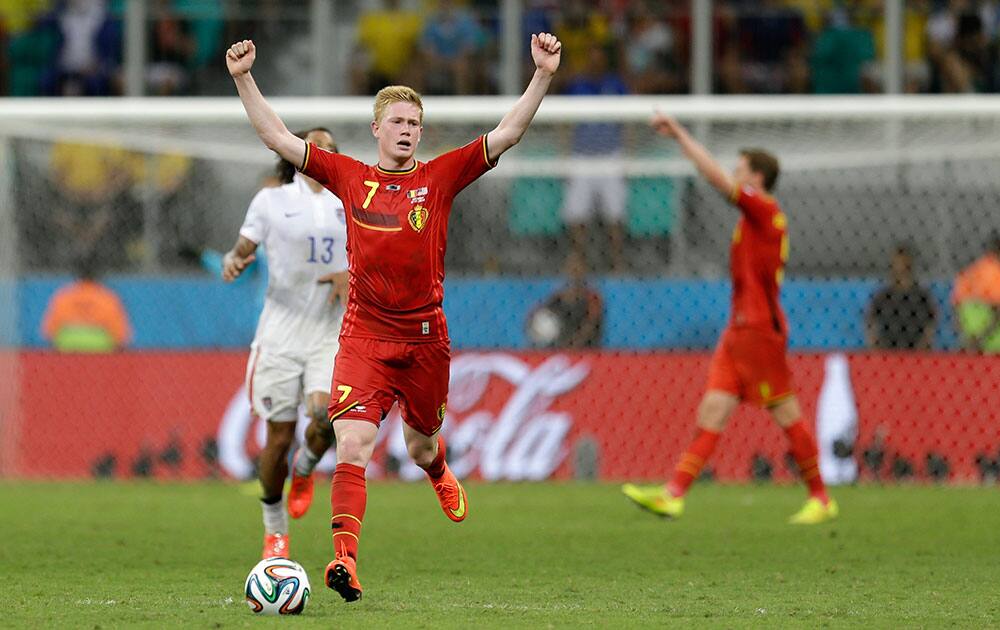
[[198, 313]]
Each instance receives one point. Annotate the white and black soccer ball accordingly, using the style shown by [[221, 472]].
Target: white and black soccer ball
[[544, 328], [277, 586]]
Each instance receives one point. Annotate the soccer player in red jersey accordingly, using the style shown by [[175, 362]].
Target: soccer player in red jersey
[[394, 340], [750, 362]]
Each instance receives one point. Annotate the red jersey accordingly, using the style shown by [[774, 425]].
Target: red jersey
[[397, 228], [757, 260]]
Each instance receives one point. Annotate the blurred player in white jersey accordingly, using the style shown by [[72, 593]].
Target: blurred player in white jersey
[[302, 228]]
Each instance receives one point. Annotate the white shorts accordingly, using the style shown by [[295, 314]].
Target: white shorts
[[586, 196], [278, 383]]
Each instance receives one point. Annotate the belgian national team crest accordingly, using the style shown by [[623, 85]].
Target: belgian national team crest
[[418, 218]]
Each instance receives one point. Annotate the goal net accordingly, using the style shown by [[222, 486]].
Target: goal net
[[588, 283]]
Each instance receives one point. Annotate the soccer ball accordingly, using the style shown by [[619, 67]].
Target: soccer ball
[[544, 328], [277, 586]]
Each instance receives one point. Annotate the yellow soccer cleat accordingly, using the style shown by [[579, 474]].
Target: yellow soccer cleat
[[655, 499], [815, 512]]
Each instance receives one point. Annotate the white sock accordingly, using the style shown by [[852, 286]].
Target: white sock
[[275, 517], [305, 461]]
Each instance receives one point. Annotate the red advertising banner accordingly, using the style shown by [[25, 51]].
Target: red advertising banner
[[608, 415]]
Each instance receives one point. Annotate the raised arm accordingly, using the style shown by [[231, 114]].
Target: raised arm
[[710, 169], [273, 132], [545, 50]]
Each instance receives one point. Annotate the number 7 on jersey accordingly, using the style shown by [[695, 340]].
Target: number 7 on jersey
[[373, 186]]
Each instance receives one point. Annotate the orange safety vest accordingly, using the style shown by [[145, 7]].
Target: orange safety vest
[[86, 317], [979, 282]]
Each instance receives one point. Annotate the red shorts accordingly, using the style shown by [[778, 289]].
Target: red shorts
[[751, 363], [370, 375]]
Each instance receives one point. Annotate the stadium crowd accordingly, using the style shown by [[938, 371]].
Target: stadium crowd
[[73, 47]]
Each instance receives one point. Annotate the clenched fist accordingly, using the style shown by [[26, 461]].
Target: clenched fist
[[546, 51], [240, 56]]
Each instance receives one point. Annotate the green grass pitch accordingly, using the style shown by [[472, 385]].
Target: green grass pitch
[[115, 555]]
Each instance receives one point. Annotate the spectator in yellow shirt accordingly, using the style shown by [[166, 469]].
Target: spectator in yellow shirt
[[93, 210], [387, 39], [580, 28], [19, 15]]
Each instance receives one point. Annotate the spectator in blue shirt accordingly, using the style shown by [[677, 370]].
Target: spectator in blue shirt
[[605, 193], [450, 42], [89, 53]]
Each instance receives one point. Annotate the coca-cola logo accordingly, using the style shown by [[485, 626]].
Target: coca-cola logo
[[522, 438]]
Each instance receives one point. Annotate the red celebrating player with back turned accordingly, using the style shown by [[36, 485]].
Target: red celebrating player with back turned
[[394, 341], [750, 362]]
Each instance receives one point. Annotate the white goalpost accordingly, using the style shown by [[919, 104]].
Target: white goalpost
[[858, 173]]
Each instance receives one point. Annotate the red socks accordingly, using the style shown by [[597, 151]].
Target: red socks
[[349, 496], [803, 449], [348, 499], [436, 467], [692, 461]]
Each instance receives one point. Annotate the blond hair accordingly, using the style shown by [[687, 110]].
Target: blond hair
[[396, 94]]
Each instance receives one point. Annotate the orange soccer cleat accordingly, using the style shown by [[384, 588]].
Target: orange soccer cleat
[[275, 546], [300, 495], [342, 576], [451, 494]]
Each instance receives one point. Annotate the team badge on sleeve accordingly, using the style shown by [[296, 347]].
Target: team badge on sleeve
[[418, 218]]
